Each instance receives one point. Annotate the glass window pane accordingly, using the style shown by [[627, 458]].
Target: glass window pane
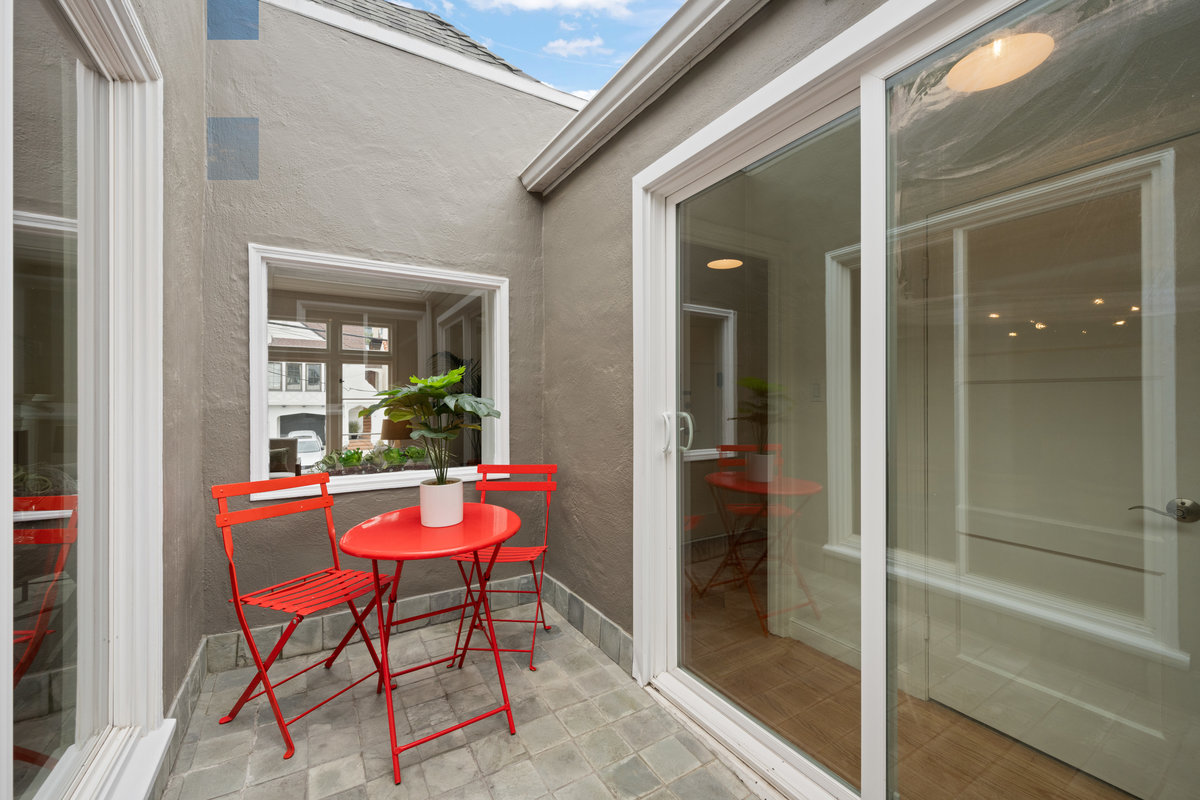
[[375, 338], [274, 376], [295, 333], [48, 478], [314, 377], [769, 612], [1042, 293], [292, 372]]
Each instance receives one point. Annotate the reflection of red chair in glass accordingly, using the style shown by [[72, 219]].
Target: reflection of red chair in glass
[[300, 597], [748, 524], [534, 556], [28, 641]]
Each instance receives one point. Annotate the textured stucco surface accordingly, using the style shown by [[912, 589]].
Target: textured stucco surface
[[175, 29], [587, 246], [371, 152]]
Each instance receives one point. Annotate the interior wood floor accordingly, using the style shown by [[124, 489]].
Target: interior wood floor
[[812, 700]]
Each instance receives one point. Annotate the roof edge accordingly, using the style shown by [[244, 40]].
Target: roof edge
[[427, 50], [694, 30]]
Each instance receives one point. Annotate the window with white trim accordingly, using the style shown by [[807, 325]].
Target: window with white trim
[[330, 332]]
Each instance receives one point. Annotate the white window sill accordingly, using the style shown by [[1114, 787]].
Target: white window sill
[[340, 484]]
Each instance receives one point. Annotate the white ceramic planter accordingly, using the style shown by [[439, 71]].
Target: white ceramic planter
[[441, 506], [760, 467]]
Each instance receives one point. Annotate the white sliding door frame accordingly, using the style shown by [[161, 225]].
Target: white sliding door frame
[[122, 737], [849, 71]]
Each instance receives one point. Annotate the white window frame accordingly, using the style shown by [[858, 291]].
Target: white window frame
[[727, 358], [121, 183], [855, 64], [494, 291]]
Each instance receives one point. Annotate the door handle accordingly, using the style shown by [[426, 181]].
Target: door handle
[[691, 430], [667, 429], [1180, 509]]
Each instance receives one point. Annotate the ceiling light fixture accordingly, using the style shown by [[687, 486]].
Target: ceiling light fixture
[[993, 316], [1000, 62], [724, 263]]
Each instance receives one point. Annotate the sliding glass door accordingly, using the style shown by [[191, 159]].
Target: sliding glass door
[[1026, 199], [1046, 296]]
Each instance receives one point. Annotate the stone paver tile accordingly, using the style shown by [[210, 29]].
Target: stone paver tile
[[357, 793], [475, 790], [222, 748], [411, 787], [669, 759], [328, 742], [602, 747], [518, 781], [288, 787], [560, 695], [714, 782], [588, 788], [496, 750], [449, 770], [214, 781], [599, 681], [542, 734], [623, 702], [333, 777], [696, 747], [646, 727], [662, 794], [472, 700], [630, 778], [528, 709], [267, 762], [560, 765], [581, 718]]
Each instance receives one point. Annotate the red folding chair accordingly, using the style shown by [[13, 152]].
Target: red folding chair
[[28, 641], [300, 597], [534, 556]]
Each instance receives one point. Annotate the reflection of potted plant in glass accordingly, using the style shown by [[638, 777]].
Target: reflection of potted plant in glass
[[437, 417], [762, 408]]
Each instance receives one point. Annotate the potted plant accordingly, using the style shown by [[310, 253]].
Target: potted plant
[[437, 416], [762, 408]]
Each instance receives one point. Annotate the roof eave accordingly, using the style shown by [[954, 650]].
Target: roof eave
[[695, 29]]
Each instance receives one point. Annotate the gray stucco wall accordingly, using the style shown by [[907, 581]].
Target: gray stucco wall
[[176, 32], [587, 245], [372, 152]]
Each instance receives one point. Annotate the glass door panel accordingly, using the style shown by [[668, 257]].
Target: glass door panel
[[769, 611], [1043, 610], [55, 499]]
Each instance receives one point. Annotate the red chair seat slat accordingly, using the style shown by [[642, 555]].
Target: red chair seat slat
[[509, 555], [315, 591]]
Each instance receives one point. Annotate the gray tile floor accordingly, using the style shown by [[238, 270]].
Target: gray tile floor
[[585, 730]]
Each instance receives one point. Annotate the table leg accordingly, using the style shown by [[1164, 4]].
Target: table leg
[[491, 630], [385, 676]]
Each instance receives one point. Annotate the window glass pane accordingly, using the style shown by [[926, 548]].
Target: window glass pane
[[294, 333], [48, 478], [314, 377], [769, 610], [375, 338], [275, 376], [292, 376], [1044, 219]]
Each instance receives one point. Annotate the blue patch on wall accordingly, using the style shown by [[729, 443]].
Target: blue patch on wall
[[232, 19], [233, 148]]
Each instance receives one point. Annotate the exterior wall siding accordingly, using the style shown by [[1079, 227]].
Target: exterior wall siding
[[587, 245]]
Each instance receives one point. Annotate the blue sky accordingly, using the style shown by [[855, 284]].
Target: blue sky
[[573, 45]]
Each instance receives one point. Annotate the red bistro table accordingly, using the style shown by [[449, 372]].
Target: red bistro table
[[399, 536], [793, 494]]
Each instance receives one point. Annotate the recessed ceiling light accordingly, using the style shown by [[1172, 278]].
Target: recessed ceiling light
[[993, 315], [1135, 308], [1012, 333], [724, 263], [1041, 326], [1119, 322], [1099, 301], [1000, 62]]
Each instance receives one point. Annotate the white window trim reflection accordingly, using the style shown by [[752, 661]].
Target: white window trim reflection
[[1156, 632], [494, 291], [727, 358]]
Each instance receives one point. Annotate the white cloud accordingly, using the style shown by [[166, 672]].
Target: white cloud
[[618, 9], [568, 26], [576, 47], [447, 7], [585, 94]]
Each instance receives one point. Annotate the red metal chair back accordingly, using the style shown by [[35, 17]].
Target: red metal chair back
[[226, 519], [545, 485], [63, 538]]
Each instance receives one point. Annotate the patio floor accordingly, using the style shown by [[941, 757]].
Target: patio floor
[[584, 730]]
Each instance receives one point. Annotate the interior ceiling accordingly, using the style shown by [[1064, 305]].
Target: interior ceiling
[[359, 286]]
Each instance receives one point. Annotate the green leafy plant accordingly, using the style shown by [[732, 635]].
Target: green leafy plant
[[435, 413], [766, 404]]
